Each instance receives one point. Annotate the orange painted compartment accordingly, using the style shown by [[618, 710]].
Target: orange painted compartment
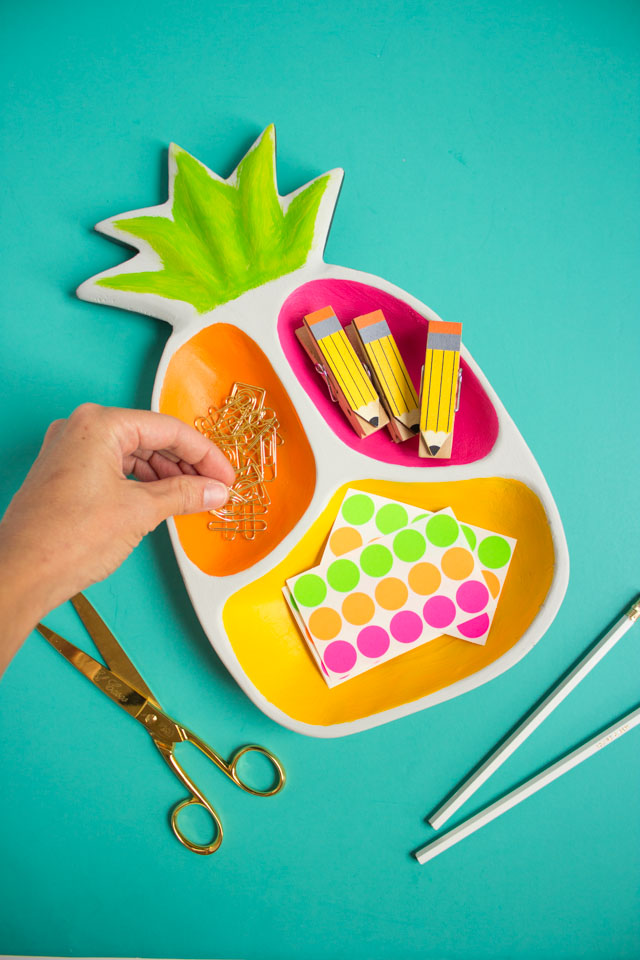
[[280, 665], [200, 375]]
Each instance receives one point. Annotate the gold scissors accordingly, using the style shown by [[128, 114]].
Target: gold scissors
[[124, 685]]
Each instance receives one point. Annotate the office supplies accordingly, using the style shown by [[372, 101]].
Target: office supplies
[[248, 434], [376, 346], [122, 683], [328, 346], [234, 288], [439, 389], [400, 591], [568, 762], [530, 723], [365, 517]]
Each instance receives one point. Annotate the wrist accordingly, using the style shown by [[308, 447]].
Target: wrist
[[25, 596]]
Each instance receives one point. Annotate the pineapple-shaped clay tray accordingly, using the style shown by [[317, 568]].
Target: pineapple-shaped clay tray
[[234, 268]]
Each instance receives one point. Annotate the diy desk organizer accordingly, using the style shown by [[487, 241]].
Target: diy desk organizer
[[234, 267]]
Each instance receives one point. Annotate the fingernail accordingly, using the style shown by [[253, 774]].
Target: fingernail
[[215, 494]]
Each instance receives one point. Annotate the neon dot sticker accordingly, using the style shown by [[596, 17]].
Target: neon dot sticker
[[358, 509], [391, 593], [358, 608], [391, 517], [373, 642], [474, 628], [340, 656], [442, 531], [439, 611], [492, 582], [343, 575], [472, 596], [457, 563], [406, 626], [344, 539], [494, 552], [409, 545], [310, 590], [424, 578], [470, 535], [376, 560], [325, 623]]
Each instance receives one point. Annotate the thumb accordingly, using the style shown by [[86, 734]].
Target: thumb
[[186, 494]]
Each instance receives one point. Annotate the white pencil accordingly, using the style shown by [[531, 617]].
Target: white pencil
[[536, 783], [555, 696]]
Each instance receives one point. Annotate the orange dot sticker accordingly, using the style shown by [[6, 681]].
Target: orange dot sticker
[[358, 608], [492, 582], [424, 578], [344, 539], [325, 623], [457, 563], [391, 593]]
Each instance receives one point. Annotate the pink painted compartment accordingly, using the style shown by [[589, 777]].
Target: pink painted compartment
[[476, 426]]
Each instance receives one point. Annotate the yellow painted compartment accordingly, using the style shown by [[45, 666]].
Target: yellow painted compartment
[[274, 656]]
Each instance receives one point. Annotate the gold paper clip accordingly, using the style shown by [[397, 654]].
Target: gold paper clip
[[248, 433]]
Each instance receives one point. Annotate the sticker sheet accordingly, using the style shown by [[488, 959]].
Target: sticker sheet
[[364, 517], [433, 575]]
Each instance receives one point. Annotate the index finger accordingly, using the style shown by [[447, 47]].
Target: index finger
[[144, 429]]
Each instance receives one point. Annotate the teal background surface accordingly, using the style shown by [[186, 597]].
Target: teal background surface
[[491, 157]]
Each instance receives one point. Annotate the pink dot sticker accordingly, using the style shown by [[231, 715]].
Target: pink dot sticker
[[406, 626], [340, 656], [474, 628], [472, 596], [439, 611], [373, 642]]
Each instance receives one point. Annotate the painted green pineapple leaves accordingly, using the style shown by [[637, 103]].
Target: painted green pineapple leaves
[[223, 237]]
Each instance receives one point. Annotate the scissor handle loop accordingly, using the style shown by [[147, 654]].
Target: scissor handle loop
[[196, 799], [230, 769], [203, 848], [273, 760]]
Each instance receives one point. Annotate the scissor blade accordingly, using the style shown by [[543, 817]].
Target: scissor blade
[[112, 685], [108, 646]]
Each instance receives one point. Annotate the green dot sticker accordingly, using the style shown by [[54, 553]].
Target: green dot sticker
[[442, 531], [310, 590], [358, 509], [494, 552], [409, 545], [376, 560], [391, 517], [343, 575], [469, 536]]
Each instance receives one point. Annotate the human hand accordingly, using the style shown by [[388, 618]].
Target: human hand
[[77, 516]]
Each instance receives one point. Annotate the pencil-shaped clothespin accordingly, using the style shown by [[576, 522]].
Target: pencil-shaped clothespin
[[325, 341], [376, 346], [439, 389]]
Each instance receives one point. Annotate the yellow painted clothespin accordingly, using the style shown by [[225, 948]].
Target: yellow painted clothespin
[[440, 388], [326, 343], [376, 346]]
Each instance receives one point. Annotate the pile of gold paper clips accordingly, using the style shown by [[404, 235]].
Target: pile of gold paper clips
[[247, 433]]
